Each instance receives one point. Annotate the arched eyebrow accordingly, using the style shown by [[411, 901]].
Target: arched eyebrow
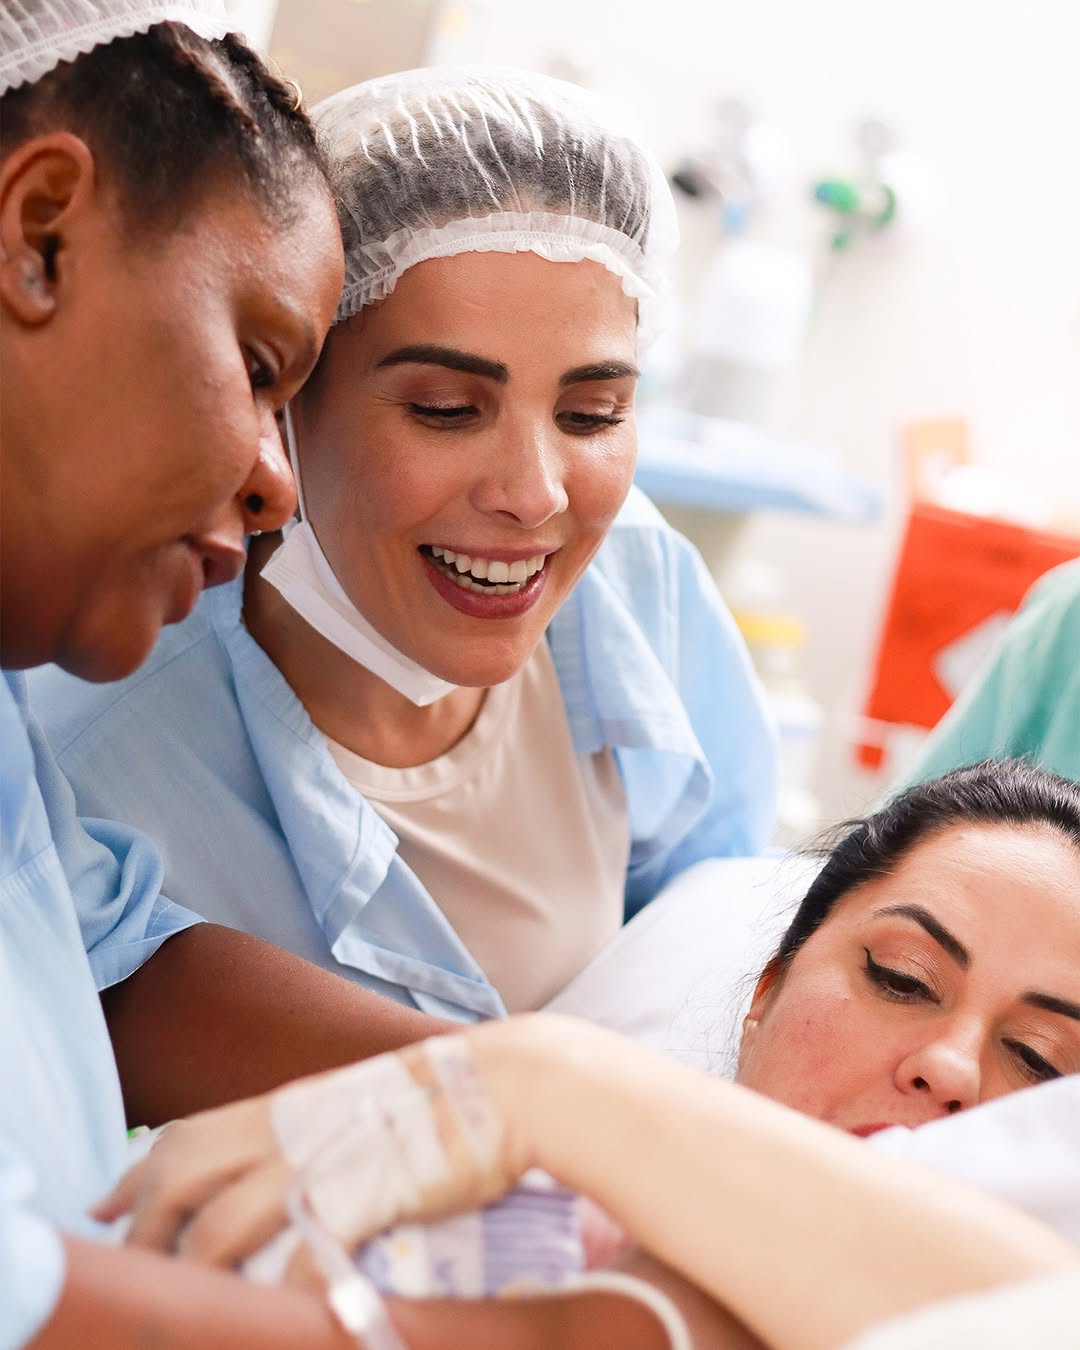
[[937, 930], [960, 954], [429, 354], [1051, 1003], [600, 370]]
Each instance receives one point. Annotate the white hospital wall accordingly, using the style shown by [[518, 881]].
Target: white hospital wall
[[979, 316]]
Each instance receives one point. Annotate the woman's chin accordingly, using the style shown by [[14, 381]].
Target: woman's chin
[[103, 664], [483, 671], [109, 651]]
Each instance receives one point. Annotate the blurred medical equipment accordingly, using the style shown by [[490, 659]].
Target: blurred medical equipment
[[776, 639], [965, 563], [886, 188], [1025, 702], [757, 293]]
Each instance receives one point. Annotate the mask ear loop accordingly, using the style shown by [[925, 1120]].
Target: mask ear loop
[[294, 464]]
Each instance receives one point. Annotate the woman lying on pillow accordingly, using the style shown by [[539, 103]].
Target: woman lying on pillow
[[933, 965]]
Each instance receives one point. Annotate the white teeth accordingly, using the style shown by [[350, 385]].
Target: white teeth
[[506, 576]]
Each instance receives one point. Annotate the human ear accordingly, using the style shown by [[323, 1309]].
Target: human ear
[[764, 992], [45, 186]]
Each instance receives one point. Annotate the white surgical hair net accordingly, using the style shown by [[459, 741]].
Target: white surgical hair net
[[437, 162], [36, 35]]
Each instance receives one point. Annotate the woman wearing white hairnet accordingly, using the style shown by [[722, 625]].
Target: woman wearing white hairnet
[[480, 703]]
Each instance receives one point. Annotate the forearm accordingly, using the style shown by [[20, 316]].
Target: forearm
[[118, 1298], [126, 1299], [711, 1326], [570, 1321], [216, 1015], [737, 1187]]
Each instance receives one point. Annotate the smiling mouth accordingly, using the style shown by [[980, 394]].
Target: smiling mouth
[[484, 576]]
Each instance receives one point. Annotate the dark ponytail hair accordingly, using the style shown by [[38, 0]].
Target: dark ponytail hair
[[996, 792], [168, 115]]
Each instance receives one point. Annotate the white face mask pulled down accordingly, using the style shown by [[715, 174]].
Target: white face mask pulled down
[[300, 572]]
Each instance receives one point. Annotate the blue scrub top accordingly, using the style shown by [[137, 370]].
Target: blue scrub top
[[208, 750], [80, 909], [1026, 701]]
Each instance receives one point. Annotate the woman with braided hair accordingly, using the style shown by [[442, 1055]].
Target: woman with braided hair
[[169, 264]]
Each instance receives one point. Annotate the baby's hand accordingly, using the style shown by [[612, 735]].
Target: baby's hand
[[601, 1237]]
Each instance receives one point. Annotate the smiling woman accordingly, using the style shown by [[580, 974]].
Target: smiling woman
[[496, 462], [478, 702]]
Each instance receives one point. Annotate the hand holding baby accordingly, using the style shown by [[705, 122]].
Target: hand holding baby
[[416, 1134]]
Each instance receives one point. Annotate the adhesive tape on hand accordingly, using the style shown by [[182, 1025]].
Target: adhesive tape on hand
[[365, 1140]]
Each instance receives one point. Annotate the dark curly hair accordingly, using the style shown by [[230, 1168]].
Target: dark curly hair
[[168, 115]]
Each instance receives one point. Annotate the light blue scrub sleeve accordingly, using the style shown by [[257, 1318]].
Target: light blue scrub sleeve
[[728, 727], [115, 876], [31, 1257], [66, 894]]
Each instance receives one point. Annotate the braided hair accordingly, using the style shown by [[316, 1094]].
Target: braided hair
[[167, 113]]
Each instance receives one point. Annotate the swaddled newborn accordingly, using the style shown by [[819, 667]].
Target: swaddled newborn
[[530, 1242]]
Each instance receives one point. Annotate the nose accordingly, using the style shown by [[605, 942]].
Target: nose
[[523, 481], [268, 496], [944, 1070]]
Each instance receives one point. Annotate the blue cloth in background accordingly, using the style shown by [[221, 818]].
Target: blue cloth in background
[[1026, 702]]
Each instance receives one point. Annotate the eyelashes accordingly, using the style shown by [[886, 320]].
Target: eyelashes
[[446, 415], [898, 987], [261, 373], [1036, 1068], [454, 415], [895, 984], [592, 421]]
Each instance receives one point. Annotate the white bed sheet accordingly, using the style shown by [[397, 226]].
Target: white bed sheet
[[1039, 1314]]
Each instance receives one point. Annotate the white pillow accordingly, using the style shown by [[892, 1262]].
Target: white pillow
[[680, 975]]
